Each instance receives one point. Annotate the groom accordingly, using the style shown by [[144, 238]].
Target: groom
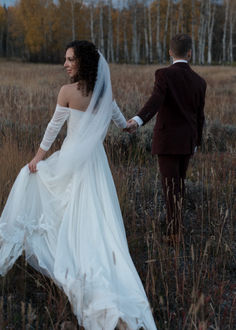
[[178, 100]]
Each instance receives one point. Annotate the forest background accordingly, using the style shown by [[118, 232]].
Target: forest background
[[126, 31]]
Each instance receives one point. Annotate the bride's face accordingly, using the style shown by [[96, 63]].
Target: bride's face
[[71, 63]]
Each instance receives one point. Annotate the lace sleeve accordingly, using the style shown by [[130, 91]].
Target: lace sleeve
[[117, 116], [59, 117]]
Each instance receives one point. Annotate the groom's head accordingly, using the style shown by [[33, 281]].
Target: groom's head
[[181, 46]]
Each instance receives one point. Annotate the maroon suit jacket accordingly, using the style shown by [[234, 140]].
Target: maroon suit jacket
[[178, 99]]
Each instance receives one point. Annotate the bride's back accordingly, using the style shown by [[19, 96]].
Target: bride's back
[[72, 97]]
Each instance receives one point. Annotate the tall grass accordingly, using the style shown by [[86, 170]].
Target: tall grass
[[190, 286]]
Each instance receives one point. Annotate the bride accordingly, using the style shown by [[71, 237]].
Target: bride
[[64, 211]]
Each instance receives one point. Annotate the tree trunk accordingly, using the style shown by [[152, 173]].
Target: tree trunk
[[145, 29], [166, 30], [110, 50], [118, 37], [138, 47], [171, 20], [150, 33], [72, 3], [211, 22], [126, 50], [158, 43], [202, 33], [193, 32], [232, 20], [101, 35], [225, 31], [134, 36], [204, 41], [180, 27], [92, 22]]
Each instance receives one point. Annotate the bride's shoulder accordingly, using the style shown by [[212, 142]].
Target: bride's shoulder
[[62, 97], [67, 88], [64, 94]]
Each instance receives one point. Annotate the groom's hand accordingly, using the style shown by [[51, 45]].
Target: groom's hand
[[132, 126]]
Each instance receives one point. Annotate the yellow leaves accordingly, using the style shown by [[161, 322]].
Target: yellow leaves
[[15, 26], [2, 15], [31, 14]]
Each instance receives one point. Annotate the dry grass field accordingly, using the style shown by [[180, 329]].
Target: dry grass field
[[190, 287]]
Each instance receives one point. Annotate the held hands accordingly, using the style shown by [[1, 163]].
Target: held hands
[[131, 127]]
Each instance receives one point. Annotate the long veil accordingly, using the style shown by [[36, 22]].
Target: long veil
[[94, 123]]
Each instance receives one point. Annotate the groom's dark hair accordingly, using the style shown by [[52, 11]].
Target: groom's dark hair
[[180, 44]]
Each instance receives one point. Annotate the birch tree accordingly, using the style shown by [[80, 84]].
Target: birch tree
[[166, 30], [110, 49], [232, 20], [118, 35], [33, 28], [171, 20], [101, 34], [210, 26], [91, 10], [145, 30], [225, 31], [202, 33], [124, 21], [134, 33], [179, 26], [193, 32], [158, 25], [150, 34], [72, 4]]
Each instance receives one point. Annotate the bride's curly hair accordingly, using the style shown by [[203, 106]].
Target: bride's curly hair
[[87, 57]]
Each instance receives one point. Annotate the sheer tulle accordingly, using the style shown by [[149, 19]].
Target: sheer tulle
[[70, 226]]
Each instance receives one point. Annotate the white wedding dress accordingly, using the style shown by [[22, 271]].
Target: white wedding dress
[[71, 229]]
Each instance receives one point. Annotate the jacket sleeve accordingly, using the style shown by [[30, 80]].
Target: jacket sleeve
[[201, 117], [54, 126], [157, 98]]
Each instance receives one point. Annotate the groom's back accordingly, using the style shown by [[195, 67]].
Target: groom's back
[[185, 94], [181, 115], [182, 111], [178, 99]]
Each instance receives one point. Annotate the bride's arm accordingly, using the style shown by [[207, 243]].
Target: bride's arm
[[117, 116], [54, 126], [59, 117]]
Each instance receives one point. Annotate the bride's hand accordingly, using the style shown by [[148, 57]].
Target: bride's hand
[[33, 164]]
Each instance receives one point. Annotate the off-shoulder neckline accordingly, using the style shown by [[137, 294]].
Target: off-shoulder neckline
[[70, 108]]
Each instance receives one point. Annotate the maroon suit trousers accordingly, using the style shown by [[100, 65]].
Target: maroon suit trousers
[[173, 170]]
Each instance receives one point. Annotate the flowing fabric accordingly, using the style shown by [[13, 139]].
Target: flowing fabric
[[67, 219]]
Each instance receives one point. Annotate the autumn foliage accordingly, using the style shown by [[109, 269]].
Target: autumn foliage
[[130, 31]]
